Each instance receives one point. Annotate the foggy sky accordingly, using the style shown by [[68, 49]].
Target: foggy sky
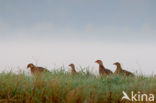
[[86, 20]]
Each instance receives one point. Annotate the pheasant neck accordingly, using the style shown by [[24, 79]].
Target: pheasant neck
[[119, 67], [33, 69], [101, 67], [73, 69]]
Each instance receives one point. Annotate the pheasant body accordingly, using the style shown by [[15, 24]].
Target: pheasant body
[[102, 69], [119, 70], [34, 69], [73, 68]]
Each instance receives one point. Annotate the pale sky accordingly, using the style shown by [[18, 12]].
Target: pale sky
[[54, 33]]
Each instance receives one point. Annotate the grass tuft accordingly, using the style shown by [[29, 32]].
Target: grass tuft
[[63, 87]]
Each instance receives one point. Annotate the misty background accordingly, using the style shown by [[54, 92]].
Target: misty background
[[54, 33]]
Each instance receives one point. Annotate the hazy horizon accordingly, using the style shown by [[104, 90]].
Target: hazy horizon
[[138, 58]]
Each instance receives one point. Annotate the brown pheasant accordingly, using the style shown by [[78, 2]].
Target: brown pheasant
[[119, 70], [73, 68], [34, 69], [102, 69]]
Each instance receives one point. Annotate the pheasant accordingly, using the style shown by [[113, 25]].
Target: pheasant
[[73, 68], [34, 69], [119, 70], [102, 69]]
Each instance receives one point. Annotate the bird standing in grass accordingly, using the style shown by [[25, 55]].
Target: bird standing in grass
[[73, 68], [102, 69], [119, 70], [34, 69]]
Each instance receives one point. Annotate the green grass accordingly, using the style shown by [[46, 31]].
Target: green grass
[[62, 87]]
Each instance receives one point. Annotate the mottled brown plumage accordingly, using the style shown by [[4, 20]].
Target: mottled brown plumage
[[102, 69], [119, 70], [73, 68], [34, 69]]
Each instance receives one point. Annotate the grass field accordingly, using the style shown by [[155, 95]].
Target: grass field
[[62, 87]]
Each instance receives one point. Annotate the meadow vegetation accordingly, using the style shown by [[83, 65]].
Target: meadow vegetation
[[63, 87]]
